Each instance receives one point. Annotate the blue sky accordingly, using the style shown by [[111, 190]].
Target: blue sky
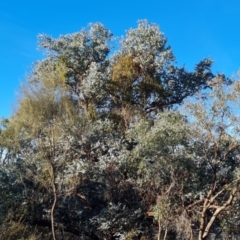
[[195, 29]]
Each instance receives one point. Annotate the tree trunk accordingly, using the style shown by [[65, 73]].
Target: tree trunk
[[159, 230], [54, 202], [205, 228], [165, 234]]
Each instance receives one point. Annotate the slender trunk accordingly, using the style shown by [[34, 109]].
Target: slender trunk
[[54, 203], [202, 221], [52, 175], [165, 234], [192, 235], [159, 230]]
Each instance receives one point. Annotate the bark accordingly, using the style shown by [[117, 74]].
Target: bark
[[54, 202], [165, 234], [159, 230], [218, 211], [205, 228]]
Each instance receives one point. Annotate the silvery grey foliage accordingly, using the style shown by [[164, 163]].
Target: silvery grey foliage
[[84, 57], [147, 45], [160, 83], [113, 167]]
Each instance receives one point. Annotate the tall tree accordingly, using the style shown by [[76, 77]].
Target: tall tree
[[215, 153], [82, 58], [96, 149], [144, 72]]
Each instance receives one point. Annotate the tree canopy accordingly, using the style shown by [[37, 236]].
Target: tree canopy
[[120, 144]]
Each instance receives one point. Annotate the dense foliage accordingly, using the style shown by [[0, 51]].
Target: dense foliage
[[120, 145]]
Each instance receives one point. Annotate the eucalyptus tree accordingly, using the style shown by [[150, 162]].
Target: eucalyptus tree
[[145, 75], [141, 76], [187, 163], [39, 121], [82, 58], [160, 163], [98, 150], [214, 149]]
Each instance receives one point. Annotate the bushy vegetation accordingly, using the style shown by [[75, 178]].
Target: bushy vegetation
[[120, 145]]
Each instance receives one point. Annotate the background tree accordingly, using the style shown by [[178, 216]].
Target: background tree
[[215, 148]]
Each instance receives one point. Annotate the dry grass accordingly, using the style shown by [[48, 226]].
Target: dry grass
[[18, 231]]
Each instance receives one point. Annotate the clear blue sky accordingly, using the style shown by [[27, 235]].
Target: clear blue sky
[[195, 29]]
